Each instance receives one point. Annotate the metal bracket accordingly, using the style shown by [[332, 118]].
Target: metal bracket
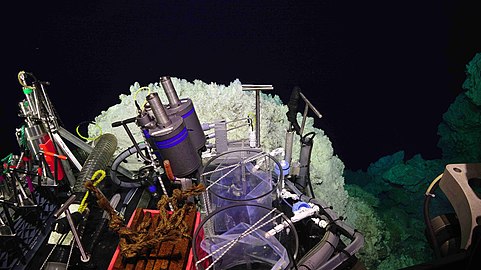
[[457, 183]]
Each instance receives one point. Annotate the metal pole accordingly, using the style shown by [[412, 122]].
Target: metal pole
[[288, 146], [306, 109], [258, 119], [158, 110], [170, 92], [64, 209], [257, 88], [83, 255], [304, 116]]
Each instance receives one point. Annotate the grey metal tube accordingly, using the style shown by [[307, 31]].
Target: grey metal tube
[[158, 110], [319, 253], [288, 146], [170, 92], [258, 118], [305, 161], [350, 250]]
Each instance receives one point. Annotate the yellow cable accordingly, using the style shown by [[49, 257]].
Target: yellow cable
[[83, 203], [436, 180], [140, 89], [21, 80], [89, 138]]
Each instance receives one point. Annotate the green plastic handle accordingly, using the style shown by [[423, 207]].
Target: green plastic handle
[[27, 90]]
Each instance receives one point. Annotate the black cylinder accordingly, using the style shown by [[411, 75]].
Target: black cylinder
[[173, 144], [186, 110]]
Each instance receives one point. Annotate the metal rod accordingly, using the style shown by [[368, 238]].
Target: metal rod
[[48, 105], [36, 101], [236, 127], [59, 141], [170, 92], [246, 86], [306, 109], [258, 119], [136, 145], [158, 109], [316, 112], [257, 88], [304, 116], [84, 257], [288, 146], [236, 120], [65, 206]]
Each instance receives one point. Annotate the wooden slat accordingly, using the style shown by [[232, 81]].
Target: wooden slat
[[183, 245], [119, 263], [131, 262], [153, 251], [142, 262], [164, 249]]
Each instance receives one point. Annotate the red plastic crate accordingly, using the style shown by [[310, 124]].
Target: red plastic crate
[[190, 261]]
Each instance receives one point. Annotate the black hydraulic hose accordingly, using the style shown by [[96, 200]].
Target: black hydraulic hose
[[322, 251], [99, 159], [292, 112], [118, 160], [307, 142], [427, 220], [316, 259], [346, 253], [430, 232]]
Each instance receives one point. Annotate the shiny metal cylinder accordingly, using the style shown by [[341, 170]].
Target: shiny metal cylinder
[[158, 109], [288, 146], [170, 92], [35, 136]]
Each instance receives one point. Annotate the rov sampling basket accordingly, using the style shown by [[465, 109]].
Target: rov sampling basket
[[268, 242], [240, 176]]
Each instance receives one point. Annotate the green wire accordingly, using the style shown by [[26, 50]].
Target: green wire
[[23, 139], [9, 160]]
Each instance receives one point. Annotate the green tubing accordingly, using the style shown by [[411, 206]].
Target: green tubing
[[99, 159]]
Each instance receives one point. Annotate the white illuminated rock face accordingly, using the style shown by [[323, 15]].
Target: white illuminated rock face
[[214, 102]]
